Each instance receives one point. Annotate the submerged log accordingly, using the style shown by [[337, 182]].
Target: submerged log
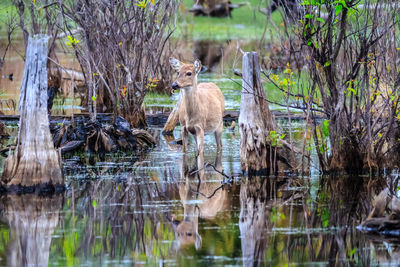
[[255, 118], [35, 162], [384, 218]]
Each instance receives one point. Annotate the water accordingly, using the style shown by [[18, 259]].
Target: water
[[150, 209]]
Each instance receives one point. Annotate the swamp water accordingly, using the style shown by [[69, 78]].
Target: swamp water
[[151, 209]]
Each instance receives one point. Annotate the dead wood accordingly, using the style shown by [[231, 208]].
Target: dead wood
[[255, 118], [385, 215], [3, 129], [35, 161], [258, 152]]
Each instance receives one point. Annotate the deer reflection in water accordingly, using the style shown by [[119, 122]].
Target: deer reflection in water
[[32, 220], [202, 196]]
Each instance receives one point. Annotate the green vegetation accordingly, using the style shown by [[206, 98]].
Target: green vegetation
[[247, 22]]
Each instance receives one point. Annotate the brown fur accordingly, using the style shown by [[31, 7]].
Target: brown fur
[[202, 107]]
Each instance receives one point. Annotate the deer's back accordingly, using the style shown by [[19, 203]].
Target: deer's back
[[212, 104]]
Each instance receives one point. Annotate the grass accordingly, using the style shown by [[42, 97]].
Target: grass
[[246, 23]]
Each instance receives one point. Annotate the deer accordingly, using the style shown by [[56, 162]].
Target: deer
[[202, 106]]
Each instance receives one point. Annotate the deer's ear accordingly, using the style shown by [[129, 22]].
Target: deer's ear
[[197, 66], [197, 241], [176, 64]]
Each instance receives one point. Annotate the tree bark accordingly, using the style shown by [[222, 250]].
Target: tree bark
[[255, 119], [35, 161]]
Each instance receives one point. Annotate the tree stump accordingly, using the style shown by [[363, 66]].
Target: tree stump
[[255, 119], [35, 162]]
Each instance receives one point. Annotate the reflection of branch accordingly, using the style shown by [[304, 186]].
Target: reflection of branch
[[223, 183]]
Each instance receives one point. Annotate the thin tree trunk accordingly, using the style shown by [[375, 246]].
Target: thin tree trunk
[[255, 119], [35, 161]]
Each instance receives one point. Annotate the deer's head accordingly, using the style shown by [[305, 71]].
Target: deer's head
[[187, 73], [187, 234]]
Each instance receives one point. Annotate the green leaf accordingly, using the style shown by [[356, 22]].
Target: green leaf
[[305, 3], [325, 128], [352, 90], [352, 252], [338, 9], [327, 64], [94, 203], [320, 20], [273, 137], [94, 98], [325, 218], [308, 16]]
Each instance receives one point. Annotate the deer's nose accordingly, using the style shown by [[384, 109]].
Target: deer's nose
[[175, 85]]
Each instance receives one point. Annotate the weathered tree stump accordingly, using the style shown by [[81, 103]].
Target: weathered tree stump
[[255, 118], [35, 162]]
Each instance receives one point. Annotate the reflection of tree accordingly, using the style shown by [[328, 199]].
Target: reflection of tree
[[258, 200], [32, 220], [115, 221], [341, 203]]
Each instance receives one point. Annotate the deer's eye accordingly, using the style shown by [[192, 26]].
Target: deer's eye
[[188, 73]]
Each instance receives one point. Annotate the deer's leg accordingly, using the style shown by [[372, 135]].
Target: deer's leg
[[218, 137], [200, 146], [185, 137]]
